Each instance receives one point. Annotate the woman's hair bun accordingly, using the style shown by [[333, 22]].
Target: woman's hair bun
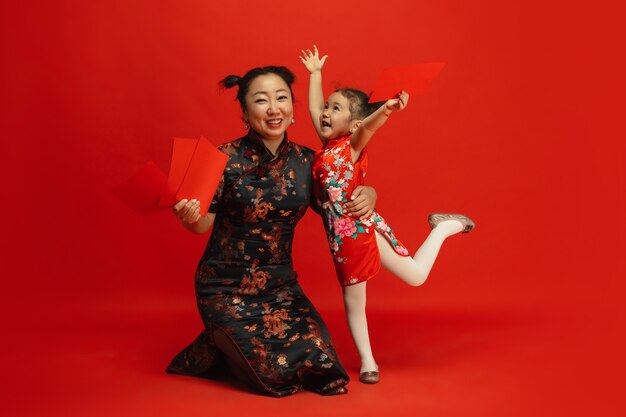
[[231, 81]]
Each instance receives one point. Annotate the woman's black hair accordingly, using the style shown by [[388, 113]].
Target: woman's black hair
[[360, 107], [244, 82]]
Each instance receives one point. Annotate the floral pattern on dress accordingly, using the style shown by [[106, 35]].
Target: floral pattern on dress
[[336, 177], [245, 282]]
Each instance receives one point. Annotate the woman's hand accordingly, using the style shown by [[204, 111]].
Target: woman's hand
[[311, 60], [187, 211], [363, 202], [397, 104]]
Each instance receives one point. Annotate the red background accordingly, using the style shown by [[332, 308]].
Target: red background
[[520, 131]]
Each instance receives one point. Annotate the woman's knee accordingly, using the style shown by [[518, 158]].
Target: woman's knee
[[237, 363]]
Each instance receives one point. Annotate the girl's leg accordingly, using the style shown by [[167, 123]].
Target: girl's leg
[[354, 297], [414, 271]]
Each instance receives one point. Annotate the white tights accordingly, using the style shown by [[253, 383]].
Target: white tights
[[413, 271]]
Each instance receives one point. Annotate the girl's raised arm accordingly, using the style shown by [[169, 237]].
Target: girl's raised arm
[[374, 121], [314, 64]]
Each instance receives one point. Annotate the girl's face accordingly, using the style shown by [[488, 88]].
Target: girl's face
[[335, 119], [269, 106]]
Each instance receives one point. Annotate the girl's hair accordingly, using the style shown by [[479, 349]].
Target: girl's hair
[[360, 107], [244, 82]]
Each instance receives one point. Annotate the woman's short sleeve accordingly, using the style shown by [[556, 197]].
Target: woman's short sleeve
[[216, 203]]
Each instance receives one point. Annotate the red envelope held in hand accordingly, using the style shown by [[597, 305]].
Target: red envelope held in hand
[[203, 175], [195, 171], [182, 152], [414, 79]]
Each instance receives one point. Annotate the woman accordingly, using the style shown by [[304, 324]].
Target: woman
[[256, 316]]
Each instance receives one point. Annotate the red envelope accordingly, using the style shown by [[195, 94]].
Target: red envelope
[[414, 79], [182, 152], [203, 175], [195, 171], [142, 191]]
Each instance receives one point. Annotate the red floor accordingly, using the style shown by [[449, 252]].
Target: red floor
[[446, 362]]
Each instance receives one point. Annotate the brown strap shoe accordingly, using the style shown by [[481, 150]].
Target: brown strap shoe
[[370, 377]]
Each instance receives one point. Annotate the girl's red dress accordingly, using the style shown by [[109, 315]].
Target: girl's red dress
[[352, 241]]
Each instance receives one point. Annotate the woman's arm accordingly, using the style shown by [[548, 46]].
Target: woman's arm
[[188, 212], [314, 64], [374, 121]]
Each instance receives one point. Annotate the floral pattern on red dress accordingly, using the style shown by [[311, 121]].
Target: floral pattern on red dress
[[352, 241]]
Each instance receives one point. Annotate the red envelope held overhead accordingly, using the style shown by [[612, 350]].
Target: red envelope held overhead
[[414, 79]]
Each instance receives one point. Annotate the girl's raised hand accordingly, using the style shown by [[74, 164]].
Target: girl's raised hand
[[397, 104], [311, 60]]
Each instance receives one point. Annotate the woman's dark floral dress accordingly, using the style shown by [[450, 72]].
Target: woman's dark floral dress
[[245, 283]]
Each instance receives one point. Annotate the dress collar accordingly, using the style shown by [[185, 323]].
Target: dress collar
[[259, 145], [332, 142]]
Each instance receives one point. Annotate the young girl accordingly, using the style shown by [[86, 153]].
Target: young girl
[[345, 124]]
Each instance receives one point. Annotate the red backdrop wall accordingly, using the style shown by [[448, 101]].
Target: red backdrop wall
[[518, 131]]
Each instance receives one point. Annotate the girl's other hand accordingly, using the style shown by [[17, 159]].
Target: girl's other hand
[[187, 211], [311, 60]]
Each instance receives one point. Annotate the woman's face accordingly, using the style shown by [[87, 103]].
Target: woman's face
[[269, 106]]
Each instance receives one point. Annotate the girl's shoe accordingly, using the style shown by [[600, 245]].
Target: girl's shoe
[[369, 377], [436, 218]]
